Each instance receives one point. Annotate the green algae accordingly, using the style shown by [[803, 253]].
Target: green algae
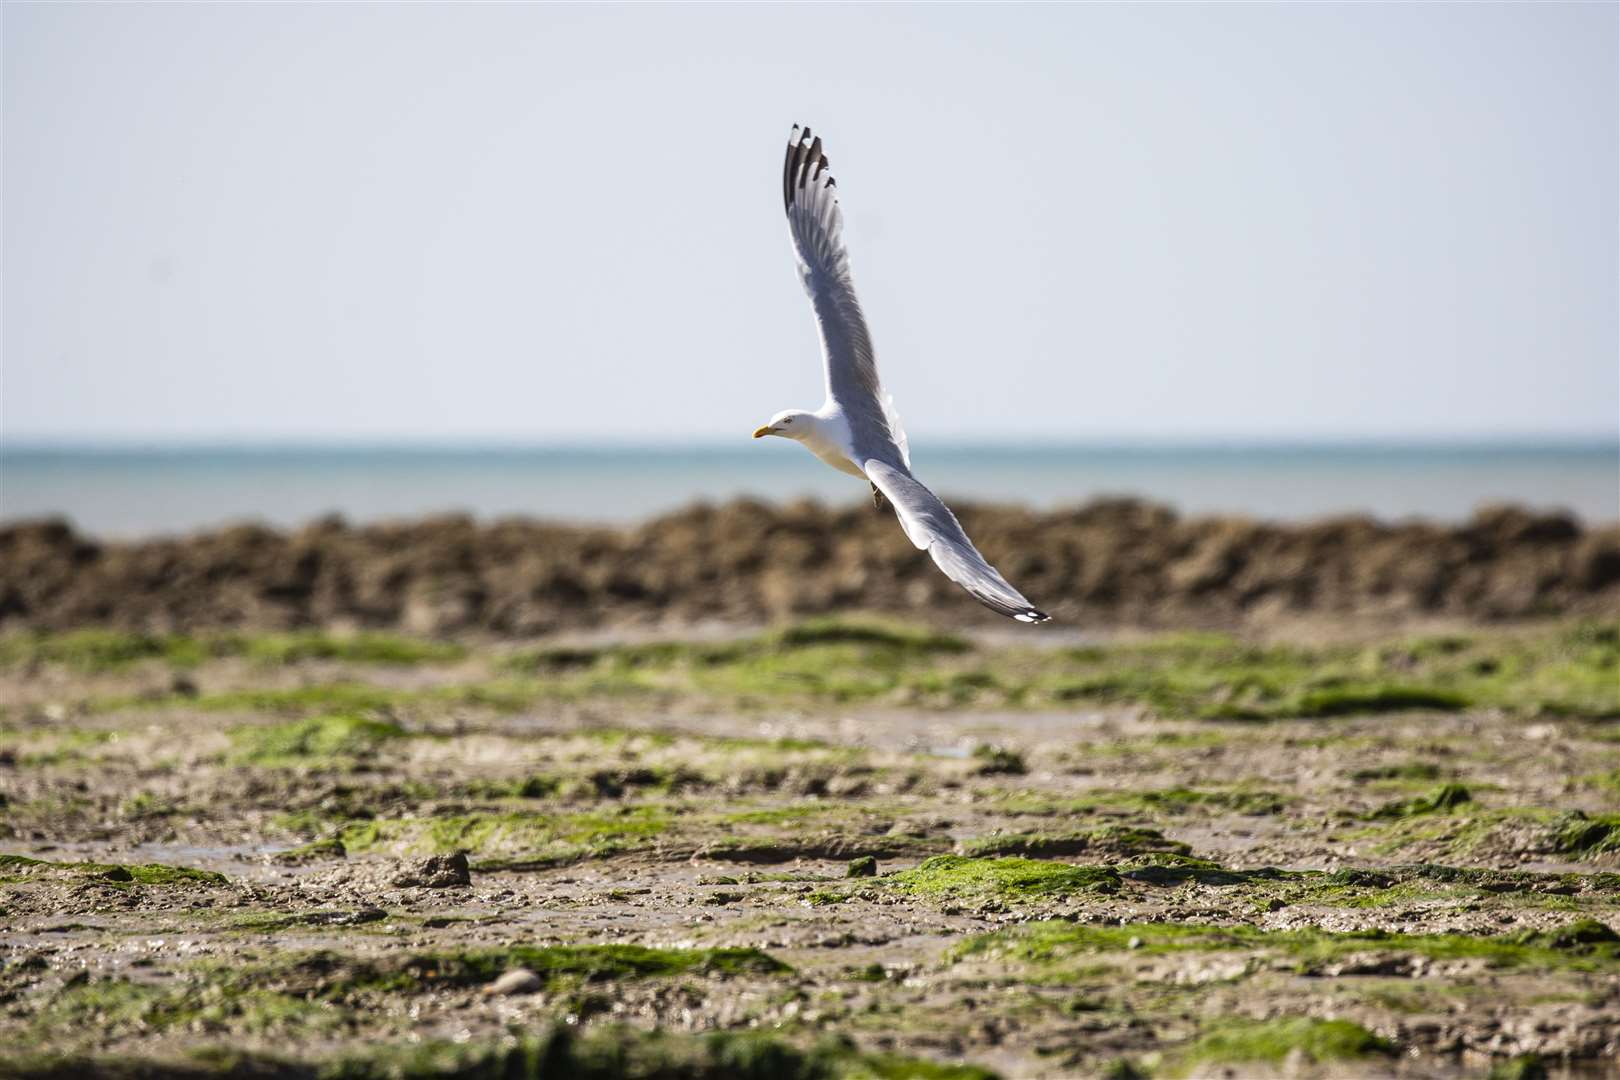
[[1405, 884], [1048, 947], [1563, 672], [363, 648], [1114, 839], [1577, 834], [1120, 1069], [335, 697], [1390, 886], [326, 848], [70, 746], [496, 695], [97, 651], [840, 659], [524, 839], [964, 878], [147, 804], [1606, 782], [1409, 770], [883, 640], [871, 632], [1440, 800], [1467, 829], [270, 924], [323, 990], [827, 845], [1212, 677], [328, 975], [1173, 801], [121, 1007], [1577, 937], [608, 1052], [607, 783], [1171, 868], [18, 868], [515, 837], [789, 814], [1357, 700], [1522, 1067], [1240, 1042], [319, 738], [160, 874], [1570, 671], [1246, 801], [998, 761]]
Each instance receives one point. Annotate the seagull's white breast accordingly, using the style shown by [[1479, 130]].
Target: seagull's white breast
[[830, 440]]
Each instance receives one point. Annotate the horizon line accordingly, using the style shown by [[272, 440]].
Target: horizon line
[[315, 444]]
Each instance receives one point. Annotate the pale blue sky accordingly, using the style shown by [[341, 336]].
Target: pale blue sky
[[563, 223]]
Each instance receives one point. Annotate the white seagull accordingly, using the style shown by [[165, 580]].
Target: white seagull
[[857, 431]]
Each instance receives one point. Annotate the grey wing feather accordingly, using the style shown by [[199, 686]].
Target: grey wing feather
[[930, 525], [810, 197]]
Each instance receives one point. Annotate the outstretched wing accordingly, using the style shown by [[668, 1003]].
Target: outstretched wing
[[810, 197], [931, 526]]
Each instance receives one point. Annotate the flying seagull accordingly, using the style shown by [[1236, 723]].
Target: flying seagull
[[857, 430]]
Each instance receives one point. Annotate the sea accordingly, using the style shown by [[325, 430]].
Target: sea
[[137, 491]]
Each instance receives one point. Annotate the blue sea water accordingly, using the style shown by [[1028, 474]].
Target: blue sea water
[[124, 491]]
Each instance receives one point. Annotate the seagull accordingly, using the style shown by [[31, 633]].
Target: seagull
[[857, 430]]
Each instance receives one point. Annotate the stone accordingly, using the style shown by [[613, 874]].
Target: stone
[[516, 981], [438, 872]]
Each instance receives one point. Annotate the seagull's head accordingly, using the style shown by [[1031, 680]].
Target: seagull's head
[[790, 424]]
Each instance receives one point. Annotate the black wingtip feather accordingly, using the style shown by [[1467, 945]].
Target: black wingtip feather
[[805, 163]]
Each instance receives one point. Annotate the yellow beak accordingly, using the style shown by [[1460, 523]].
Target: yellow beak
[[762, 432]]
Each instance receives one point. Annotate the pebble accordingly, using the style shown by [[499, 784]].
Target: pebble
[[516, 981], [438, 872]]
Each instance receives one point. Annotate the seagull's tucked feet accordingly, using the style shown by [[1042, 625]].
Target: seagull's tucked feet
[[878, 501]]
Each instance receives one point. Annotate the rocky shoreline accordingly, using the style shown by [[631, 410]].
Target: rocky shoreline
[[1115, 563]]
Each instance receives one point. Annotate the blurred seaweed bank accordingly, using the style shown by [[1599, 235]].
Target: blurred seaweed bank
[[1110, 563]]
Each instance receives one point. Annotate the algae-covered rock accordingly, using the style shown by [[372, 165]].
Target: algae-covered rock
[[1114, 561]]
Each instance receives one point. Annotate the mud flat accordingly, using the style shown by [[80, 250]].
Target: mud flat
[[836, 848]]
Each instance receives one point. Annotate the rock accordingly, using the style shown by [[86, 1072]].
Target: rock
[[360, 917], [1119, 562], [865, 866], [516, 981], [328, 848], [438, 872], [343, 918]]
